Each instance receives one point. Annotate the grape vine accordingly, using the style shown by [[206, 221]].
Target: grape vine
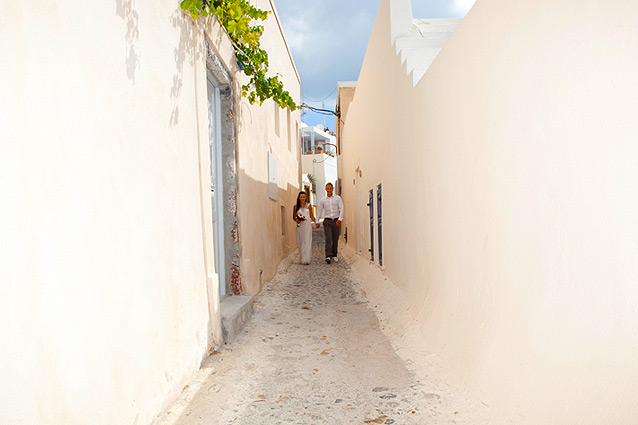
[[237, 17]]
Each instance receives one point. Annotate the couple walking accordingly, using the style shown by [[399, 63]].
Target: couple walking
[[331, 207]]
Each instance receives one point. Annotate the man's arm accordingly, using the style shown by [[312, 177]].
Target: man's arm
[[319, 212], [319, 209], [340, 204]]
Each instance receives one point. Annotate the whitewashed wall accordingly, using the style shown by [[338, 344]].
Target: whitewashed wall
[[510, 201], [109, 294], [265, 238], [323, 168]]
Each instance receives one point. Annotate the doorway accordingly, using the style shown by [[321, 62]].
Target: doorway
[[216, 179], [223, 175]]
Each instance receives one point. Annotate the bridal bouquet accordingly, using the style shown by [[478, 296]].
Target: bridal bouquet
[[301, 217]]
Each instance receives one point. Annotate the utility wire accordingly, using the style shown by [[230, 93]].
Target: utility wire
[[320, 111], [321, 100]]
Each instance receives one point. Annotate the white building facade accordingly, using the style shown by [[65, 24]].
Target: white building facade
[[318, 162]]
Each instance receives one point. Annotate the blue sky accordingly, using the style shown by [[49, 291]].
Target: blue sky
[[328, 39]]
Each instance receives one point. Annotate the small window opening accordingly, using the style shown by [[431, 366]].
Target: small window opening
[[283, 220]]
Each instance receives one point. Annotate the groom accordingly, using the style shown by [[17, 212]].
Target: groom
[[332, 207]]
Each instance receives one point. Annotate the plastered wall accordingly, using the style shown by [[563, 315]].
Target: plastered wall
[[509, 202], [105, 281], [265, 238], [345, 95], [110, 299]]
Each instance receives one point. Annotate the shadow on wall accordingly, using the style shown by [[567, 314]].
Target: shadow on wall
[[264, 222], [268, 232], [189, 44], [257, 243], [125, 9]]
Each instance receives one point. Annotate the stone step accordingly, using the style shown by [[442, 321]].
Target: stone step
[[236, 310], [439, 21], [425, 26], [434, 29], [417, 74], [421, 43], [421, 47], [407, 52], [420, 62]]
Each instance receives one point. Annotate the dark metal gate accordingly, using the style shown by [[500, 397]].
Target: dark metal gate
[[379, 232], [371, 207]]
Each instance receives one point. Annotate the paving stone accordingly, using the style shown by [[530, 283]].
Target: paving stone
[[312, 353]]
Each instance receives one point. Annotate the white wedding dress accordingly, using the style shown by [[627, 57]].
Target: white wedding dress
[[304, 236]]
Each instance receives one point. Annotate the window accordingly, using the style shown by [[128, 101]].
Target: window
[[283, 220], [276, 119]]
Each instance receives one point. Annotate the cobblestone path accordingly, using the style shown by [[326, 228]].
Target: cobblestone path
[[312, 353]]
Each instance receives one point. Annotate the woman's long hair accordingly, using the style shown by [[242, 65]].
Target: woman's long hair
[[299, 200]]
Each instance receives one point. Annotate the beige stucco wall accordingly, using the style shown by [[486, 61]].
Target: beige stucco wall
[[509, 202], [264, 243], [345, 96], [110, 297]]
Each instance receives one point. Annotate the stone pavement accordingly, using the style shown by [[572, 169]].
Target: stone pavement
[[313, 353]]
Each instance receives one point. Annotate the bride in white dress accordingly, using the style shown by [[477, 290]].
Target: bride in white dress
[[302, 214]]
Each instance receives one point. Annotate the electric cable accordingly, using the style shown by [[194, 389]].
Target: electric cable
[[320, 111], [321, 100]]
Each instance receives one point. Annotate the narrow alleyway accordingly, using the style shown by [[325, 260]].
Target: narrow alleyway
[[313, 353]]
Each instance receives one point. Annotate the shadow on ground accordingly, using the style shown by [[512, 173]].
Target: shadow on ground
[[312, 353]]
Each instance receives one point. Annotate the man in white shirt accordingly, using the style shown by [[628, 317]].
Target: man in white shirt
[[331, 206]]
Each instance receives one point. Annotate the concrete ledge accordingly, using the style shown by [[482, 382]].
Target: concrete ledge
[[235, 312]]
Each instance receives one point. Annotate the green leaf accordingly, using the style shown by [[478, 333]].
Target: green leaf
[[238, 17]]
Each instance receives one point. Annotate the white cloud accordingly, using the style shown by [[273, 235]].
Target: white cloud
[[462, 6], [328, 40], [296, 35]]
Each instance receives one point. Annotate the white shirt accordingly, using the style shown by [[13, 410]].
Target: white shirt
[[331, 206]]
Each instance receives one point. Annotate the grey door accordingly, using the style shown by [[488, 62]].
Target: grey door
[[371, 207], [379, 229], [216, 192]]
